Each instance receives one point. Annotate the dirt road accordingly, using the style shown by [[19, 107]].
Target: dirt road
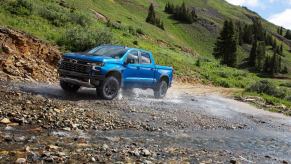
[[192, 125]]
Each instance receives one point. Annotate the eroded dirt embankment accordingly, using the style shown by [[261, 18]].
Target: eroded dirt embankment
[[23, 57]]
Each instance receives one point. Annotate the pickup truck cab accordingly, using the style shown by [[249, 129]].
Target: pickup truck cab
[[109, 68]]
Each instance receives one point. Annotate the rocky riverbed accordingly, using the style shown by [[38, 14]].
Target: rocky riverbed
[[41, 123]]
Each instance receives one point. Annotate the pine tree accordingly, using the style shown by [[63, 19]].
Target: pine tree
[[248, 34], [258, 30], [260, 55], [167, 7], [253, 54], [268, 64], [281, 50], [181, 13], [151, 18], [280, 31], [220, 47], [226, 45], [288, 35], [275, 64], [240, 32]]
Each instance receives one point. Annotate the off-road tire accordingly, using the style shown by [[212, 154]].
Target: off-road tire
[[161, 90], [68, 87], [109, 88]]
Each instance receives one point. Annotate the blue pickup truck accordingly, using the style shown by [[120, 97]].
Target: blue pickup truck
[[109, 68]]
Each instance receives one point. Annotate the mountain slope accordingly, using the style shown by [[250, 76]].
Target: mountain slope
[[180, 45]]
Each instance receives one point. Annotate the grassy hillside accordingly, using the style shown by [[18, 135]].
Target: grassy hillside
[[186, 47]]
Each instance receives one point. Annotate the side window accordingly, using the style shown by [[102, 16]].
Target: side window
[[132, 57], [145, 58]]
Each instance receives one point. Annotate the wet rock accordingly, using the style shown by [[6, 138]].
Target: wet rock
[[105, 147], [67, 129], [284, 162], [20, 161], [61, 154], [147, 162], [8, 138], [146, 152], [52, 147], [93, 159], [233, 161], [267, 156], [136, 153], [19, 138], [5, 121]]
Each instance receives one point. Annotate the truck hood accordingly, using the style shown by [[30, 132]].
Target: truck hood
[[86, 57]]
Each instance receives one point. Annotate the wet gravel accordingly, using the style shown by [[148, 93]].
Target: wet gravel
[[41, 123]]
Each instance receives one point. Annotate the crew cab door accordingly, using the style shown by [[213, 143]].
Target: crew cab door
[[147, 69], [131, 72]]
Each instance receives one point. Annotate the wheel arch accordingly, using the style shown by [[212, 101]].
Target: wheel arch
[[116, 74], [165, 78]]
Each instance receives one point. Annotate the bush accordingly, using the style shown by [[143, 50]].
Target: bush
[[81, 39], [198, 63], [59, 16], [79, 18], [286, 84], [20, 7], [114, 25], [266, 87]]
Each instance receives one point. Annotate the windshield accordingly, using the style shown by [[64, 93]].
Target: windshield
[[109, 51]]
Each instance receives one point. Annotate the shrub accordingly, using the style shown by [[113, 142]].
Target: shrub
[[223, 74], [286, 84], [59, 16], [55, 15], [198, 63], [20, 7], [267, 87], [81, 39], [79, 18]]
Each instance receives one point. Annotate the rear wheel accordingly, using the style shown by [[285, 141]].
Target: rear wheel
[[68, 87], [109, 88], [161, 90]]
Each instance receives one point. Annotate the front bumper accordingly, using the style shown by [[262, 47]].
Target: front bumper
[[91, 80]]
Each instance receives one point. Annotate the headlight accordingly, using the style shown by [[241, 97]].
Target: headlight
[[99, 64]]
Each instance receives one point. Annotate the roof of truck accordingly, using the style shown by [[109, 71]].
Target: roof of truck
[[125, 47]]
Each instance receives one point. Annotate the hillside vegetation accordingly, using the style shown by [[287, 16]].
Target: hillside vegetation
[[188, 47]]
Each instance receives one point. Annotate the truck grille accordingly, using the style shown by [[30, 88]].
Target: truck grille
[[73, 65]]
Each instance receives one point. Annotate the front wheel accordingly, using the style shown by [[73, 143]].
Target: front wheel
[[161, 90], [109, 88], [68, 87]]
